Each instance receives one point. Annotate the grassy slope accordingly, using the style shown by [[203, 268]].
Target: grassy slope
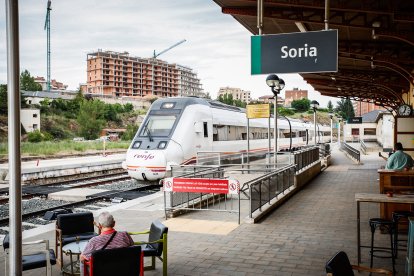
[[64, 147], [322, 117]]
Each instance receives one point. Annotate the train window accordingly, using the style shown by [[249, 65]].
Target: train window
[[158, 125], [205, 129]]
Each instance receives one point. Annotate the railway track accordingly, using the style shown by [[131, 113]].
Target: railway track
[[30, 191], [148, 189], [42, 191]]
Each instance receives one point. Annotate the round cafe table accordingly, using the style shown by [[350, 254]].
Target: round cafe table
[[73, 249]]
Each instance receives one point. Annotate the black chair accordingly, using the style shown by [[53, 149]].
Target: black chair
[[37, 259], [156, 246], [126, 261], [71, 228], [388, 226], [339, 265], [397, 218]]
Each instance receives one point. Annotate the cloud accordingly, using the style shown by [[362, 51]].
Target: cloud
[[217, 47]]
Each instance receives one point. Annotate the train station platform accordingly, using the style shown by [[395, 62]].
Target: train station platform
[[61, 167], [296, 239]]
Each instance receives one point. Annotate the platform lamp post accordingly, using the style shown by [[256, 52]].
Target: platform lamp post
[[339, 130], [315, 105], [331, 116], [276, 85]]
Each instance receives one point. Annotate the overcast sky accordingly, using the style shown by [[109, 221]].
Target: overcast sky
[[217, 47]]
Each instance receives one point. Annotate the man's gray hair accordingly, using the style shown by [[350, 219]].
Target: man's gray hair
[[106, 219]]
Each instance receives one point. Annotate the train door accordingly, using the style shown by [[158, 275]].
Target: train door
[[204, 135]]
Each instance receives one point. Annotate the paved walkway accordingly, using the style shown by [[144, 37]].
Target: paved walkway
[[296, 239]]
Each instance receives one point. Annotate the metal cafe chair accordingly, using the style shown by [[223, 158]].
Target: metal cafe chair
[[36, 259], [339, 265], [71, 228], [126, 261], [156, 246]]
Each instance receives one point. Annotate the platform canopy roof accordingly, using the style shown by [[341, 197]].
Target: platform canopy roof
[[375, 49]]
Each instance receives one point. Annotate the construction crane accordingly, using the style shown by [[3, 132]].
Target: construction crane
[[154, 56], [47, 28], [169, 48]]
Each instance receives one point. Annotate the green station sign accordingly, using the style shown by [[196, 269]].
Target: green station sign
[[307, 52]]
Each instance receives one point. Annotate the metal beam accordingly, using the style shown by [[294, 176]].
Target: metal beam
[[336, 6], [387, 64], [317, 17]]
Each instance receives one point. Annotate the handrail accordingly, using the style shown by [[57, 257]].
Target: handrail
[[270, 186], [306, 157], [324, 149], [354, 153], [363, 146]]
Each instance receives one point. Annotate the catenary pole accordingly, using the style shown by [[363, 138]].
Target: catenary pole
[[15, 192], [276, 130], [314, 123]]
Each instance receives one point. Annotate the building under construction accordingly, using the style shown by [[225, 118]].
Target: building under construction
[[118, 74]]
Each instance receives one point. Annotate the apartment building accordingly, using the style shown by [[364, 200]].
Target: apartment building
[[237, 93], [119, 74], [361, 108], [270, 98], [293, 95], [54, 84]]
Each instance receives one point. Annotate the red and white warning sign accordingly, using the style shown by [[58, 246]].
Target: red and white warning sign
[[202, 185], [168, 184], [234, 186]]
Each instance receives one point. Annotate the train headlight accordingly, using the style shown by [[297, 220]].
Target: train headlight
[[162, 145], [168, 105], [136, 145]]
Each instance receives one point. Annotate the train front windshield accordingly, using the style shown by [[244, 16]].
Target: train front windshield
[[158, 125]]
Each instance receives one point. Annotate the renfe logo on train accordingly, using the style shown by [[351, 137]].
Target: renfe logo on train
[[308, 52], [144, 156]]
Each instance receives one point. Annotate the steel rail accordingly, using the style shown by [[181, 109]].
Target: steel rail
[[5, 221]]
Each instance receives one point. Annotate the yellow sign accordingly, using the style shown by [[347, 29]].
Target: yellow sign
[[258, 111]]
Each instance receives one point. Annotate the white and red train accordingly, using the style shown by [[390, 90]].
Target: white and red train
[[175, 129]]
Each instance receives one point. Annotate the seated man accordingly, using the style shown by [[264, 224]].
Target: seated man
[[109, 238], [399, 160]]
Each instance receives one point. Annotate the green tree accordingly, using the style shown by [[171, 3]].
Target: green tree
[[129, 134], [301, 105], [3, 99], [91, 118], [128, 107], [345, 108], [45, 106], [38, 136], [226, 99], [27, 82], [110, 113], [240, 103], [283, 111], [330, 106], [207, 96]]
